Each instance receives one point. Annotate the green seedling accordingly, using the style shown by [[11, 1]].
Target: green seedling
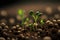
[[26, 22], [38, 14], [35, 16], [42, 21], [31, 27], [21, 14]]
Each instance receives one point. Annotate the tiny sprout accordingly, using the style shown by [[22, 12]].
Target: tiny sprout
[[27, 19], [31, 12], [31, 26], [35, 16], [21, 13], [42, 21], [38, 13]]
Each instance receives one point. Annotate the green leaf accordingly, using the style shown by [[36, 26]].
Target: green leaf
[[42, 21], [31, 13], [27, 19], [31, 25], [20, 12], [38, 13]]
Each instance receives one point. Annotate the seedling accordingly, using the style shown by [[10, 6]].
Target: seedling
[[32, 14], [31, 26], [42, 21], [21, 13], [26, 22], [35, 17], [38, 14]]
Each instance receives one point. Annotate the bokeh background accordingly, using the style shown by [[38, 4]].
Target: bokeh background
[[49, 7]]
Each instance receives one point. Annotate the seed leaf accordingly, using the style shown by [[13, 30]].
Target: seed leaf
[[20, 12], [42, 21], [31, 13]]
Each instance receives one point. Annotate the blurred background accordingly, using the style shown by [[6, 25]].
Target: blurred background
[[11, 6]]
